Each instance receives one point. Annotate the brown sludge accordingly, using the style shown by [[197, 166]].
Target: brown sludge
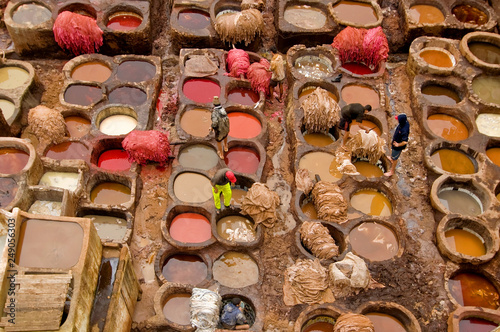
[[318, 240], [353, 323], [261, 203], [329, 202], [321, 112], [303, 181]]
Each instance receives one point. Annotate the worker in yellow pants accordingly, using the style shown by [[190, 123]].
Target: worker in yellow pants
[[221, 183]]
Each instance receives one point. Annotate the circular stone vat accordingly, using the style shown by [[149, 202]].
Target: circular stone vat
[[374, 241], [243, 125], [127, 95], [453, 161], [306, 91], [110, 193], [12, 77], [114, 160], [313, 66], [371, 202], [319, 324], [68, 150], [484, 51], [184, 269], [469, 14], [9, 191], [12, 160], [92, 71], [190, 228], [82, 95], [201, 90], [321, 163], [193, 19], [473, 289], [8, 109], [486, 88], [460, 200], [135, 71], [247, 306], [242, 159], [197, 122], [369, 170], [31, 14], [358, 13], [116, 120], [389, 316], [110, 227], [441, 95], [305, 17], [318, 139], [176, 308], [494, 155], [307, 207], [124, 21], [192, 187], [237, 195], [384, 322], [465, 242], [236, 228], [198, 156], [335, 233], [242, 96], [365, 95], [448, 127], [77, 126], [236, 270], [426, 14], [488, 124], [354, 127], [438, 57]]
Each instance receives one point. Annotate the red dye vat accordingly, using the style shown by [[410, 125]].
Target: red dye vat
[[68, 150], [201, 90], [243, 160], [114, 160], [243, 125], [190, 228], [83, 95], [135, 71], [357, 68], [194, 19], [128, 95], [243, 96], [124, 22], [476, 325], [12, 161]]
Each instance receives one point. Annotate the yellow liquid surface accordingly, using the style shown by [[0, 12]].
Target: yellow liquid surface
[[453, 161], [436, 58], [321, 163], [371, 202], [309, 210], [426, 14], [12, 77], [318, 139], [447, 127], [368, 170], [465, 242], [494, 155]]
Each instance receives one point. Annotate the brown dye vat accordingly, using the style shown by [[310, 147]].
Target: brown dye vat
[[321, 163], [184, 269], [447, 127], [470, 289], [426, 14], [31, 14], [102, 299], [354, 128], [385, 323], [309, 210], [360, 94], [305, 17], [49, 244], [135, 71], [441, 95], [458, 201], [198, 156], [177, 309], [127, 95], [436, 58], [307, 91], [110, 193], [356, 12], [77, 126], [109, 228], [476, 325], [237, 195], [487, 88], [453, 161], [236, 270], [193, 19], [469, 14], [494, 155], [374, 241], [68, 150], [83, 95], [93, 71], [196, 122], [486, 52], [192, 187], [368, 170], [318, 139], [465, 242], [372, 202], [229, 225], [8, 191], [319, 324], [12, 160]]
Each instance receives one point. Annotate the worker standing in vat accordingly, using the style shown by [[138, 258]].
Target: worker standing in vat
[[220, 126], [221, 183], [277, 68], [351, 112], [399, 141], [232, 316]]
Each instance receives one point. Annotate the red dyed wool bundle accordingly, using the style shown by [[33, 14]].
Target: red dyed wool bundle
[[77, 33], [375, 47], [259, 75], [149, 145], [238, 62]]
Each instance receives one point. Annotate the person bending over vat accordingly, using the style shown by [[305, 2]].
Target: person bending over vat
[[399, 141], [232, 317], [220, 126], [351, 112], [221, 183], [278, 73]]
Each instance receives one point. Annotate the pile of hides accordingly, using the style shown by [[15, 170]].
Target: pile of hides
[[238, 62], [307, 282], [329, 202], [205, 309], [349, 276], [363, 46], [77, 33], [243, 26], [261, 203], [259, 75], [318, 240], [149, 145], [369, 146], [353, 323], [303, 181], [201, 65], [321, 112], [343, 159], [46, 124]]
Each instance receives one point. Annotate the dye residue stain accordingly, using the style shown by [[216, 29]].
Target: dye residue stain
[[243, 125], [494, 155], [8, 191], [68, 150], [374, 241], [190, 228], [83, 95], [436, 58], [441, 95], [12, 161], [453, 161], [368, 170], [236, 270], [12, 77], [371, 202], [201, 90], [184, 269], [104, 291], [448, 127], [318, 139], [92, 71], [192, 187], [305, 17], [177, 309], [242, 159], [114, 160], [355, 12], [470, 289], [124, 21], [77, 126], [458, 201], [465, 242], [110, 193], [135, 71], [385, 323], [362, 94], [236, 228], [321, 163], [243, 96], [426, 14], [193, 19], [199, 156], [476, 325]]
